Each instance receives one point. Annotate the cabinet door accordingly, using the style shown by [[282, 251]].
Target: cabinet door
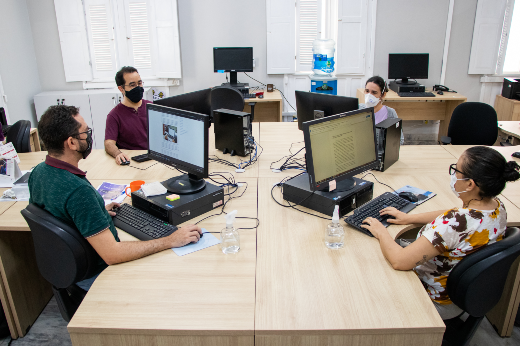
[[100, 106], [81, 101], [42, 102]]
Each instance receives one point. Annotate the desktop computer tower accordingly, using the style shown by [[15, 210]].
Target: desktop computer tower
[[388, 133], [232, 132], [183, 209], [407, 88], [297, 190], [511, 88]]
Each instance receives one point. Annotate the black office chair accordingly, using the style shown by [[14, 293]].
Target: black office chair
[[472, 123], [20, 135], [476, 283], [63, 255], [226, 98]]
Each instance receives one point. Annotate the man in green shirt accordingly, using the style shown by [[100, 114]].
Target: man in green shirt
[[60, 187]]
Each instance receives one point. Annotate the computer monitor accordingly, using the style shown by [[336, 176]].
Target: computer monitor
[[196, 101], [179, 138], [233, 60], [339, 147], [408, 66], [308, 103]]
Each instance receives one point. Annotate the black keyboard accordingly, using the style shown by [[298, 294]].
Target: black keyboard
[[141, 158], [372, 208], [140, 224], [249, 96], [416, 94]]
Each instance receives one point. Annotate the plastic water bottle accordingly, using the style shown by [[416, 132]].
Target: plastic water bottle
[[334, 234], [229, 237], [323, 56]]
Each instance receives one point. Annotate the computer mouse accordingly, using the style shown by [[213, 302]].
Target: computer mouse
[[408, 196], [125, 163], [440, 92], [516, 154], [261, 96]]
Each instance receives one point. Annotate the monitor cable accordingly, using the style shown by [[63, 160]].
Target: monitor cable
[[274, 89], [291, 162], [143, 169], [372, 174]]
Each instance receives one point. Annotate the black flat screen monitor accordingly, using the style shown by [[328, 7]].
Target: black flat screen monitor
[[196, 101], [326, 105], [179, 138], [339, 147], [408, 66], [233, 60]]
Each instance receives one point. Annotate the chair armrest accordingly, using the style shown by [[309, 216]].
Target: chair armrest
[[445, 140]]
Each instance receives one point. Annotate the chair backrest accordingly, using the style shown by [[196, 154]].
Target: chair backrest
[[19, 134], [473, 123], [226, 98], [63, 255], [476, 283], [3, 118]]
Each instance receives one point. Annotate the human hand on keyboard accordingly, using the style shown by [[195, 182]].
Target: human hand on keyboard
[[395, 216], [110, 208], [185, 235], [374, 226]]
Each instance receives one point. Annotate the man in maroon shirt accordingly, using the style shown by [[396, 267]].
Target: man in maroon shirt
[[127, 124]]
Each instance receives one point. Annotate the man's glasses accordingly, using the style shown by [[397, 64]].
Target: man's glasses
[[88, 132], [134, 84]]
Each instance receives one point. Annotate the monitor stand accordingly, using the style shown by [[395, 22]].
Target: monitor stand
[[233, 81], [185, 184], [342, 186], [405, 81]]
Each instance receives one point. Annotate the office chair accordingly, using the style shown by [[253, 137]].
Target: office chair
[[476, 283], [63, 255], [472, 123], [19, 134]]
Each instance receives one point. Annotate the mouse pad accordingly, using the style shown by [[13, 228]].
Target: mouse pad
[[206, 241]]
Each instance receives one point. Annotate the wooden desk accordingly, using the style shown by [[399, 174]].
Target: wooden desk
[[34, 140], [509, 128], [507, 109], [269, 108], [439, 107]]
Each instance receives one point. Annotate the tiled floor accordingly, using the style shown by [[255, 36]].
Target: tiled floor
[[51, 330]]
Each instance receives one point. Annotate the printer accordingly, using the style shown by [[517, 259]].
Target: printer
[[511, 88]]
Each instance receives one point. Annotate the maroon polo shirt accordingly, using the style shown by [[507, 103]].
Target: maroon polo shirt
[[128, 127], [57, 163]]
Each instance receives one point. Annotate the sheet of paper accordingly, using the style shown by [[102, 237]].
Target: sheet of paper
[[9, 152], [112, 192], [206, 241], [8, 182], [153, 189]]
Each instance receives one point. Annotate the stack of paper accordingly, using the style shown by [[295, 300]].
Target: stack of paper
[[153, 189]]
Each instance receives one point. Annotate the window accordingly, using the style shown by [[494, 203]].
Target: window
[[512, 54], [306, 32], [98, 37]]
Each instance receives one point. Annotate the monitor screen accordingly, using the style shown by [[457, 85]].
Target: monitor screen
[[196, 101], [339, 147], [326, 105], [404, 66], [233, 59], [178, 138]]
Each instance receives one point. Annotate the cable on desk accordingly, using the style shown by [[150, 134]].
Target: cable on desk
[[274, 89], [280, 184], [291, 162], [372, 174], [143, 169]]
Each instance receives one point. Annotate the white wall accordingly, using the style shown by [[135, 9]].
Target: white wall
[[457, 77], [417, 26], [18, 66]]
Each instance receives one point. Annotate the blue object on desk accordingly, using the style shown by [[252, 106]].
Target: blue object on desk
[[204, 242]]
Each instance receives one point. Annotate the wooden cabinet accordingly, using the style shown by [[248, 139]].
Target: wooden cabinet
[[94, 106], [507, 109]]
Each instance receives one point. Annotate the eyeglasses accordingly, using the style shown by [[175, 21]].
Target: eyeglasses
[[134, 84], [88, 132], [453, 169]]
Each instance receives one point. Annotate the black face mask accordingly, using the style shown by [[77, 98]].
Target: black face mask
[[136, 94], [86, 151]]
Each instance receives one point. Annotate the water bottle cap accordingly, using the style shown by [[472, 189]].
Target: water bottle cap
[[230, 218]]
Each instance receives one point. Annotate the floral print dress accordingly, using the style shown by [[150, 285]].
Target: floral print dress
[[457, 233]]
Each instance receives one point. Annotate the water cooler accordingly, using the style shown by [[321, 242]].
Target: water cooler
[[322, 80]]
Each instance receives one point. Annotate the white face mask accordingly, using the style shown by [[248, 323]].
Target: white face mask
[[452, 184], [371, 100]]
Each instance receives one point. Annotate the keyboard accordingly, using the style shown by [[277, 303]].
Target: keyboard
[[140, 224], [372, 208], [416, 94], [141, 158], [249, 96]]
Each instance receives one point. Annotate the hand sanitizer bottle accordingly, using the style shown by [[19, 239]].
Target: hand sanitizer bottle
[[229, 238], [334, 234]]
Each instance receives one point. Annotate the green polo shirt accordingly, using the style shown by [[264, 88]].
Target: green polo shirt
[[64, 191]]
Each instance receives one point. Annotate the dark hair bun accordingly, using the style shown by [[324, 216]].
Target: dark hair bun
[[511, 171]]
